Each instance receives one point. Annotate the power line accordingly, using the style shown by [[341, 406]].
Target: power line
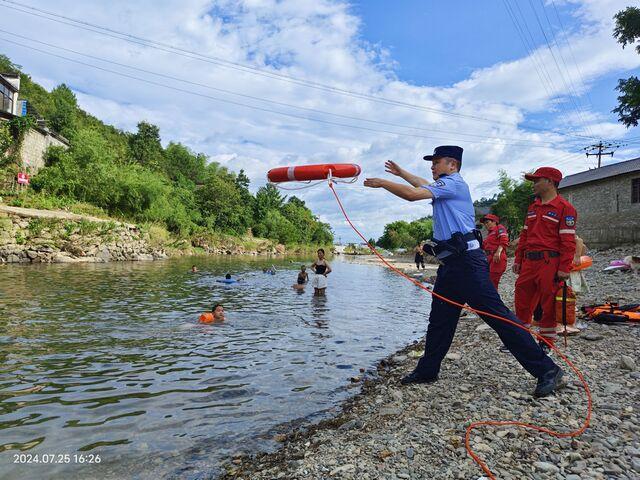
[[232, 102], [531, 50], [567, 84], [251, 69], [600, 147], [275, 102]]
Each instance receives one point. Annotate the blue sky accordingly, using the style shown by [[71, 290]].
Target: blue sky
[[452, 62]]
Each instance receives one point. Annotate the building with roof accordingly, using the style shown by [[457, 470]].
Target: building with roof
[[608, 203], [9, 88], [37, 139]]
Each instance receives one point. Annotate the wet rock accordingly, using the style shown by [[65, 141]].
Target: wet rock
[[546, 467], [627, 363]]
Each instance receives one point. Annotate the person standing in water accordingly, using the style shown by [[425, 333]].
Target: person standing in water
[[419, 256], [303, 278], [321, 269]]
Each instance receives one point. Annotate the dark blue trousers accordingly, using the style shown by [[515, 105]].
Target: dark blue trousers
[[465, 279]]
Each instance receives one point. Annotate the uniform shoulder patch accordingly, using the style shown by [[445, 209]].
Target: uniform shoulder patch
[[439, 183], [570, 220]]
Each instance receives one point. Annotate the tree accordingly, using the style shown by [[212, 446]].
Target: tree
[[222, 206], [627, 31], [7, 66], [182, 165], [65, 105], [512, 202], [267, 198], [144, 146]]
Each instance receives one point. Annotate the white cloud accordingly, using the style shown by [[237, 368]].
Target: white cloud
[[318, 41]]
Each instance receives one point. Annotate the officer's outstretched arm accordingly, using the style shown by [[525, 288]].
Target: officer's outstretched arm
[[406, 192]]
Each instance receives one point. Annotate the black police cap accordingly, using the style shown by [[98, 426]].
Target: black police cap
[[451, 151]]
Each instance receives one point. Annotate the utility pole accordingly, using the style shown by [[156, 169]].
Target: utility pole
[[600, 147]]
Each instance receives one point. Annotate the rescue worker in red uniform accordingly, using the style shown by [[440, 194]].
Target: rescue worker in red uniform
[[495, 246], [545, 251]]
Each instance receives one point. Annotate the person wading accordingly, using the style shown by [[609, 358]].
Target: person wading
[[464, 274]]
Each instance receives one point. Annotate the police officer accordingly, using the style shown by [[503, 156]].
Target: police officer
[[464, 274], [495, 246], [545, 251]]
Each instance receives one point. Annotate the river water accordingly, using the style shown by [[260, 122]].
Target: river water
[[107, 362]]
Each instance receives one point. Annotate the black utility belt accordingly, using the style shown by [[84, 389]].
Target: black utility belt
[[541, 255], [456, 245]]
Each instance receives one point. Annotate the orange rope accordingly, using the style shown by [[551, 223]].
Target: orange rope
[[473, 425]]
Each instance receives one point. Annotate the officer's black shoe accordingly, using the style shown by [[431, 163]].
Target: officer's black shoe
[[549, 382], [414, 377]]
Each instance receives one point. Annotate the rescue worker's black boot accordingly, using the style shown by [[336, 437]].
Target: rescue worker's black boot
[[549, 382]]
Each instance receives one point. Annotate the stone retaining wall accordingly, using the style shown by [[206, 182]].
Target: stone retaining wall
[[26, 239]]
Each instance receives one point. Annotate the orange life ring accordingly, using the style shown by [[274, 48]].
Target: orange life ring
[[585, 262], [305, 173]]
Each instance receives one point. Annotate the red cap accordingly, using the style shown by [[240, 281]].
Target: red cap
[[491, 216], [545, 172]]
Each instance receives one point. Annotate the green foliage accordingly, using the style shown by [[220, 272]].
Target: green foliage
[[628, 108], [627, 28], [7, 66], [512, 202], [407, 235], [627, 31], [222, 207], [63, 118], [131, 176], [6, 139], [144, 146]]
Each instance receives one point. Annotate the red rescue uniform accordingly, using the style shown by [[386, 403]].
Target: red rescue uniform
[[497, 237], [547, 245]]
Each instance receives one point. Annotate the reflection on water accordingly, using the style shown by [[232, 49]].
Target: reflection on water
[[109, 359]]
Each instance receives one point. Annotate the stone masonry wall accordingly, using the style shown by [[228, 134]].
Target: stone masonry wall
[[26, 239], [34, 146], [606, 216]]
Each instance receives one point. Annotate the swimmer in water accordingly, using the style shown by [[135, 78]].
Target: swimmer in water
[[194, 269], [303, 278], [321, 269], [216, 315]]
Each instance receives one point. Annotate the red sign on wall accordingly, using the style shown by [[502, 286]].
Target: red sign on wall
[[23, 178]]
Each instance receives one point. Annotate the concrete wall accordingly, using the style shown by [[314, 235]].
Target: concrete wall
[[35, 144], [606, 216]]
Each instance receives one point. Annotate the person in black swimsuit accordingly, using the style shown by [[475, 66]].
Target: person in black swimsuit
[[322, 269], [303, 278]]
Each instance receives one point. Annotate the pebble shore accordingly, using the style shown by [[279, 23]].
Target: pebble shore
[[391, 432]]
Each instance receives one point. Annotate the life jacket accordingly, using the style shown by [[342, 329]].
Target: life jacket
[[569, 306], [206, 317], [611, 313]]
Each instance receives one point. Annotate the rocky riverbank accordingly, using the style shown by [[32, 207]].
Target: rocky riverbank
[[392, 432], [45, 236]]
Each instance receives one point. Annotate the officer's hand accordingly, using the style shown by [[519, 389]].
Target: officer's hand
[[516, 268], [496, 257], [373, 182], [392, 167], [562, 275]]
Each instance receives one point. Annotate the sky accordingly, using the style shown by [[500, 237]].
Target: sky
[[257, 84]]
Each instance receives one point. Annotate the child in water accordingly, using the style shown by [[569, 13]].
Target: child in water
[[215, 316], [303, 278], [321, 269]]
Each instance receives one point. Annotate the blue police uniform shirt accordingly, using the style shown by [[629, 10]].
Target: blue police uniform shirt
[[452, 206]]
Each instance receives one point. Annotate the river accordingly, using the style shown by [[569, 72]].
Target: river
[[106, 373]]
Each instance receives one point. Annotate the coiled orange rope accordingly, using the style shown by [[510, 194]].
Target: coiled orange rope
[[473, 425]]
